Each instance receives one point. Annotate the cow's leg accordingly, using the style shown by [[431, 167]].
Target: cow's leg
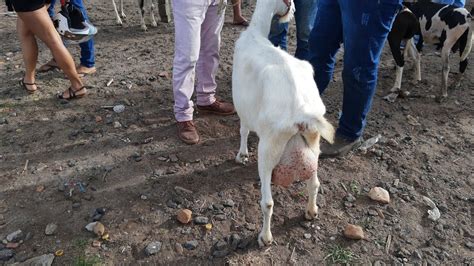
[[141, 6], [121, 9], [394, 43], [270, 149], [151, 9], [416, 57]]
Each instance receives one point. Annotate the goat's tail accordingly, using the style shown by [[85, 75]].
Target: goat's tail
[[322, 126]]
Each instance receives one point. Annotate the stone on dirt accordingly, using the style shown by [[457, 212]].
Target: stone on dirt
[[220, 245], [178, 248], [235, 240], [153, 248], [50, 229], [43, 260], [6, 254], [201, 220], [184, 216], [380, 195], [220, 253], [354, 232], [190, 245], [228, 203], [15, 236]]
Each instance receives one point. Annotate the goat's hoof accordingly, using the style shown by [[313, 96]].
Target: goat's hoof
[[242, 159], [404, 93], [265, 240], [123, 15], [154, 24], [311, 214], [143, 27], [119, 22]]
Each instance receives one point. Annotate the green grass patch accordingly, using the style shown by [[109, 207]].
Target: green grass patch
[[338, 254]]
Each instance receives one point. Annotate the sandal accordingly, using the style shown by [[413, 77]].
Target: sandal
[[73, 94], [50, 66], [243, 23], [24, 85]]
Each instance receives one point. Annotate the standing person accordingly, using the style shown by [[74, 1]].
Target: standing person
[[33, 21], [305, 12], [87, 65], [238, 18], [198, 25], [363, 27]]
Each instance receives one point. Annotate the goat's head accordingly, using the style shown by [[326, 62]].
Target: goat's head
[[285, 9]]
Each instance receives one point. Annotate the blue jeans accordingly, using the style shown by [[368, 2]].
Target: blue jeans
[[456, 3], [87, 48], [304, 18], [363, 27]]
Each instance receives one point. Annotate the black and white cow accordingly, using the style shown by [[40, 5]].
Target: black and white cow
[[447, 27], [145, 6]]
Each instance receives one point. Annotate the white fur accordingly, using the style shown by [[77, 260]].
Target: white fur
[[275, 96], [148, 7]]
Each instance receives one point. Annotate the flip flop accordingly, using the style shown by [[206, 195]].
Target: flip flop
[[72, 94], [244, 23], [24, 85], [83, 74], [48, 67]]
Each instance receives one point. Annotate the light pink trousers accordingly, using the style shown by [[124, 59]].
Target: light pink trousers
[[198, 28]]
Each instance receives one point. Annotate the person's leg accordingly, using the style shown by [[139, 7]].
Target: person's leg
[[29, 49], [40, 24], [278, 33], [187, 19], [304, 17], [363, 44], [51, 9], [324, 41], [238, 18], [87, 48]]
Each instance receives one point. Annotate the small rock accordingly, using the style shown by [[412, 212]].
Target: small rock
[[305, 224], [98, 119], [220, 217], [470, 245], [220, 245], [171, 204], [43, 260], [250, 227], [190, 245], [96, 227], [173, 158], [96, 243], [76, 205], [3, 121], [372, 212], [307, 236], [218, 206], [228, 203], [184, 216], [417, 254], [350, 198], [117, 124], [380, 195], [50, 229], [354, 232], [153, 248], [220, 253], [39, 188], [235, 241], [98, 214], [6, 254], [178, 248], [12, 245], [15, 236], [143, 197], [201, 220]]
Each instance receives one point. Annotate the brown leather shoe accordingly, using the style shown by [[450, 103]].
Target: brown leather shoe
[[187, 132], [218, 108]]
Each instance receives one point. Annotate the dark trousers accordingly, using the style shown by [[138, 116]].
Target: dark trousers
[[363, 26]]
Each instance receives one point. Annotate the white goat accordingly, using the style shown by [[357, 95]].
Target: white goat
[[275, 96], [144, 6]]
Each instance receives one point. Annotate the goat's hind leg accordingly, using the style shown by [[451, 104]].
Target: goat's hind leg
[[121, 10], [151, 9], [242, 156], [313, 187], [270, 149], [119, 21]]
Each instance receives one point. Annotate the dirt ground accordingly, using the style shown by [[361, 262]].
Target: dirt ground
[[133, 165]]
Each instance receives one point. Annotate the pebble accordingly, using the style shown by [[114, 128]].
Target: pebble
[[50, 229], [174, 158], [171, 204], [6, 254], [305, 224], [96, 243], [15, 236], [178, 248], [184, 216], [354, 232], [12, 245], [380, 195], [251, 227], [218, 206], [220, 217], [307, 236], [153, 248], [469, 245], [3, 121], [372, 212], [228, 203], [235, 240], [201, 220], [190, 245], [220, 253], [117, 124], [43, 260], [220, 245], [350, 198], [98, 214], [417, 254], [76, 205]]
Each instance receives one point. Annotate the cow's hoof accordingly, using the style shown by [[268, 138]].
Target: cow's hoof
[[265, 240], [144, 28], [311, 214], [242, 158], [154, 24], [119, 22], [123, 15]]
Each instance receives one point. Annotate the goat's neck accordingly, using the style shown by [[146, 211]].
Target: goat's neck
[[262, 18]]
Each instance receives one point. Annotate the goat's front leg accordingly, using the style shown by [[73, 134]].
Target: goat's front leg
[[270, 149], [152, 14], [242, 156], [119, 21], [444, 79], [121, 9]]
